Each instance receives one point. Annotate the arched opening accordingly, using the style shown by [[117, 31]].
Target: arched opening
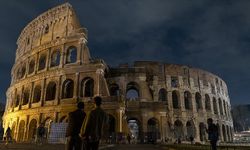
[[51, 91], [32, 130], [228, 134], [220, 106], [114, 90], [17, 100], [42, 62], [163, 95], [225, 108], [207, 103], [190, 129], [132, 92], [13, 130], [55, 58], [134, 128], [178, 129], [71, 55], [224, 133], [31, 66], [87, 87], [188, 100], [26, 95], [175, 99], [21, 131], [47, 125], [202, 128], [68, 88], [153, 130], [198, 101], [37, 94], [215, 106]]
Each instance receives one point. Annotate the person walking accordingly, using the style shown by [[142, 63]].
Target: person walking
[[76, 119], [93, 127], [213, 133], [40, 134]]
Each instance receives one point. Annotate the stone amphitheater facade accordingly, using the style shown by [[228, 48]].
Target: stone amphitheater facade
[[53, 71]]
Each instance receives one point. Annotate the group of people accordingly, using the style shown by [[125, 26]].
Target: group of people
[[85, 131]]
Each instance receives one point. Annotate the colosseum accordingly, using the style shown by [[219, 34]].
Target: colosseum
[[53, 71]]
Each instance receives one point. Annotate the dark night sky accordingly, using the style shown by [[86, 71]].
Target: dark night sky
[[208, 34]]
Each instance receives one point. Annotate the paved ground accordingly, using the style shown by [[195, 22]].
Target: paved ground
[[137, 147]]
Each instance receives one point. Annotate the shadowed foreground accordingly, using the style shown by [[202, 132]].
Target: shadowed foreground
[[27, 146]]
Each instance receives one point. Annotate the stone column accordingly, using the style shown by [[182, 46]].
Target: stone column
[[99, 74]]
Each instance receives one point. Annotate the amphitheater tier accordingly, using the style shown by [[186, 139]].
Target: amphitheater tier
[[54, 70]]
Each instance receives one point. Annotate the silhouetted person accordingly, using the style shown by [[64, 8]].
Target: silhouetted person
[[40, 133], [76, 119], [213, 133], [128, 138], [92, 129], [191, 139], [8, 136]]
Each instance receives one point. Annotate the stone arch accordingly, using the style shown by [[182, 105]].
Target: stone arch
[[87, 87], [163, 95], [26, 96], [31, 66], [47, 124], [191, 132], [114, 90], [207, 103], [175, 99], [42, 62], [198, 101], [55, 58], [68, 88], [220, 106], [71, 55], [215, 106], [32, 129], [132, 91], [188, 100], [135, 127], [153, 127], [37, 94], [178, 129], [202, 131], [21, 130], [51, 91]]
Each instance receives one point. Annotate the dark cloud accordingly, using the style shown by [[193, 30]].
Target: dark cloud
[[212, 35]]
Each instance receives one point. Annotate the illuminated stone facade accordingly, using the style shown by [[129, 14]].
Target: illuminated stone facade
[[53, 71]]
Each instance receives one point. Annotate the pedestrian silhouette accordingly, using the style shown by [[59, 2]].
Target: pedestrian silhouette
[[213, 133], [8, 136], [93, 127], [76, 119], [40, 134]]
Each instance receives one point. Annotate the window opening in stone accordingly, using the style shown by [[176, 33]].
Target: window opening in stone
[[87, 87], [71, 55], [55, 59], [51, 91], [175, 99], [31, 66], [162, 95], [174, 82], [42, 62], [68, 89], [37, 94]]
